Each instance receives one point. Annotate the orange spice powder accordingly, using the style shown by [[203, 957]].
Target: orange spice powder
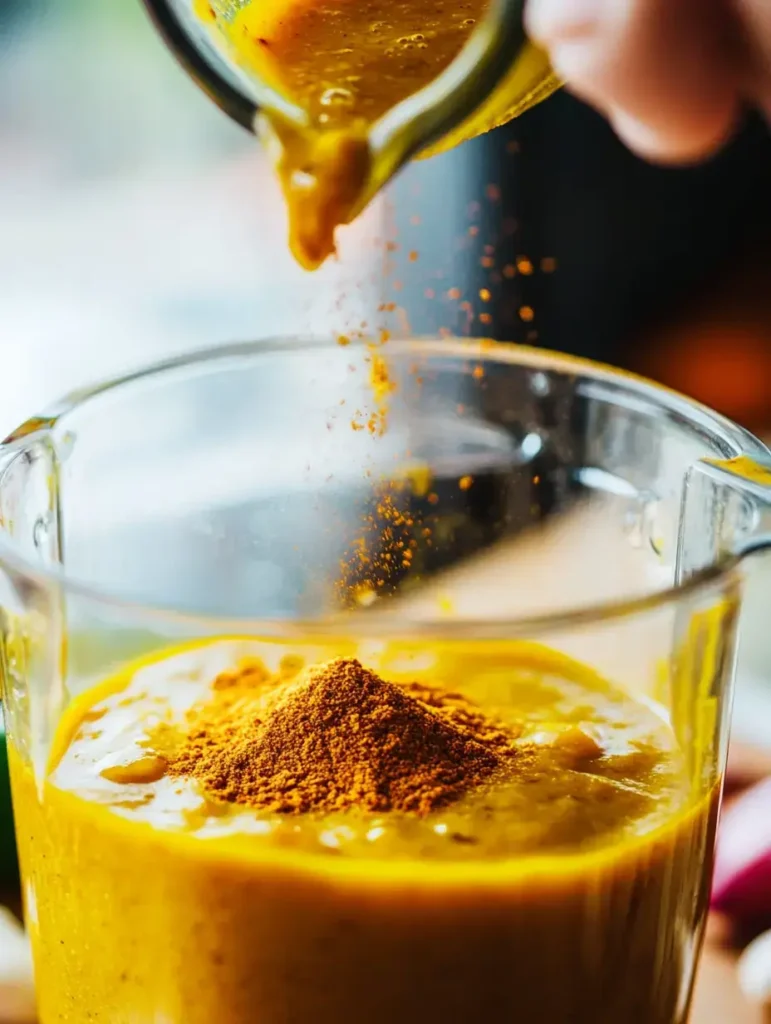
[[337, 737]]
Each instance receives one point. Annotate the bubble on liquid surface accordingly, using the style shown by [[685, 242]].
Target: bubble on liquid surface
[[337, 96], [540, 384], [411, 41]]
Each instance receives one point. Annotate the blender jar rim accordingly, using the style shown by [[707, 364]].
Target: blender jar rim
[[732, 440]]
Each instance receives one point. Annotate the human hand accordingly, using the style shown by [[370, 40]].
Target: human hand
[[671, 75]]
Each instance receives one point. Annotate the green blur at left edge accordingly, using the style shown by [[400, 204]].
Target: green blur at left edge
[[9, 869]]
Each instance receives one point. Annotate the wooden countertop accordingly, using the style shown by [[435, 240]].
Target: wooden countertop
[[718, 999]]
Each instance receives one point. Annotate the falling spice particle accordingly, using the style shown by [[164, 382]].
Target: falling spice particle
[[484, 294], [465, 483], [509, 270], [364, 595], [204, 11], [453, 293], [343, 340], [485, 318], [548, 265], [413, 256], [404, 322], [527, 314], [487, 262], [375, 559], [418, 479], [493, 193], [524, 266], [382, 387], [473, 230], [478, 372]]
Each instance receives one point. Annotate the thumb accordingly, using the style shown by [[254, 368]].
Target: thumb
[[756, 17], [662, 70]]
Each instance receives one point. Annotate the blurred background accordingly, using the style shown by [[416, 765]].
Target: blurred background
[[136, 222], [549, 231]]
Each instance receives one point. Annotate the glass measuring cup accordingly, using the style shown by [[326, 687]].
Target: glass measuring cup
[[566, 504], [328, 173]]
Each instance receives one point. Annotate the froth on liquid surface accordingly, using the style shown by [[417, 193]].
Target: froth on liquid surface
[[558, 797]]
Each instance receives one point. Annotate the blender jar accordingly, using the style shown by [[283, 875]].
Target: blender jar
[[544, 500]]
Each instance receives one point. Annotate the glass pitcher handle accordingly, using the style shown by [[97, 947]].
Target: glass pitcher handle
[[725, 513], [32, 609]]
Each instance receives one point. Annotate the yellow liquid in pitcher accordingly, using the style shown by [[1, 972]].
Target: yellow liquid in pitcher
[[346, 63]]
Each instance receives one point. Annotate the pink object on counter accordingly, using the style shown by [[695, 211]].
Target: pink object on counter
[[742, 882]]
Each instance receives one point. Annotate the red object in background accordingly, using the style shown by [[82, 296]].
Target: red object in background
[[719, 351], [727, 367], [742, 882], [746, 766]]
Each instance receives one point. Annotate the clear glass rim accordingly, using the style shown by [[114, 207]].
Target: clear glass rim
[[735, 440]]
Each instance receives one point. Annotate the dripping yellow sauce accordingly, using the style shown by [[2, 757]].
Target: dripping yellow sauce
[[345, 63]]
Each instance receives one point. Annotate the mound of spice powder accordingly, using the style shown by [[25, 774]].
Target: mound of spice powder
[[338, 737]]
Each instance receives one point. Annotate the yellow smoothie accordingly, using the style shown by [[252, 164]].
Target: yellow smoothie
[[570, 887]]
